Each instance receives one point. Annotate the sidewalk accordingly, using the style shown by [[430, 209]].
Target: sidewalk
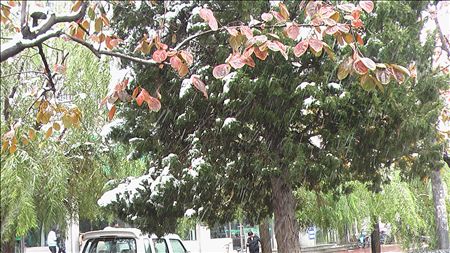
[[384, 249]]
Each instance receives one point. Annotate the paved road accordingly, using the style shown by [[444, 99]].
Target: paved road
[[384, 249]]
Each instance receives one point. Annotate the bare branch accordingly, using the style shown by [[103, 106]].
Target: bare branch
[[47, 69], [23, 72], [99, 52], [23, 14], [41, 33], [13, 50]]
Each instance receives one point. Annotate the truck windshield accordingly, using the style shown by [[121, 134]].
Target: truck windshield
[[110, 245]]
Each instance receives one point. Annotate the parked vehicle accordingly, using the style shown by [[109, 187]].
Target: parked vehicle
[[129, 240]]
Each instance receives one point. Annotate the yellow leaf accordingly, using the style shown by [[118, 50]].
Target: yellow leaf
[[5, 145], [76, 6], [111, 113], [56, 126], [98, 24], [14, 141], [48, 133], [74, 118], [66, 121], [12, 149], [24, 140], [31, 133], [85, 25]]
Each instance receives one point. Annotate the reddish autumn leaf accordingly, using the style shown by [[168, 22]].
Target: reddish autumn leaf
[[356, 13], [262, 55], [236, 61], [367, 6], [383, 75], [187, 57], [248, 52], [232, 31], [195, 79], [278, 16], [183, 70], [221, 71], [301, 48], [143, 96], [247, 31], [345, 68], [312, 8], [329, 21], [208, 16], [135, 92], [345, 28], [283, 11], [292, 31], [159, 55], [153, 104], [250, 62], [369, 63], [332, 30], [360, 67], [357, 23], [267, 17], [349, 7], [111, 112], [315, 44], [175, 62], [359, 39]]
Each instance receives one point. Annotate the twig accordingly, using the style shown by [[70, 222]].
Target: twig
[[99, 52], [23, 72], [47, 69]]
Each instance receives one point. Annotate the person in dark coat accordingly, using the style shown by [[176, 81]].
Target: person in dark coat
[[253, 242]]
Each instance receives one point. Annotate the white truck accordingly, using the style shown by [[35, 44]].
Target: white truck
[[129, 240]]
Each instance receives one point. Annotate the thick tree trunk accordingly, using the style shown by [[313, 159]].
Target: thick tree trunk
[[266, 245], [440, 209], [286, 227], [375, 237]]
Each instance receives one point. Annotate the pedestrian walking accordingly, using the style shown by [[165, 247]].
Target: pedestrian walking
[[51, 240], [60, 242], [253, 242]]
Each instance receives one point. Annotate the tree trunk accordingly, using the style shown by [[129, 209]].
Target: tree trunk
[[266, 245], [375, 237], [440, 209], [286, 227]]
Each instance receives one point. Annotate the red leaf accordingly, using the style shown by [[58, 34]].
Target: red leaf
[[247, 32], [347, 7], [153, 104], [292, 31], [315, 44], [267, 17], [232, 31], [135, 92], [159, 55], [250, 62], [301, 48], [199, 85], [278, 16], [368, 63], [248, 52], [332, 30], [357, 23], [283, 11], [356, 13], [143, 96], [111, 112], [221, 71], [367, 6], [383, 75], [175, 62], [359, 39], [345, 28], [359, 67], [236, 61], [188, 58], [208, 16], [262, 55], [329, 21], [213, 24]]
